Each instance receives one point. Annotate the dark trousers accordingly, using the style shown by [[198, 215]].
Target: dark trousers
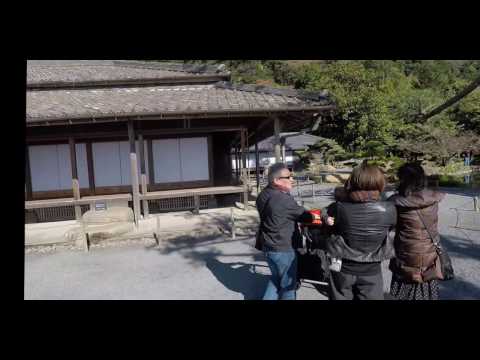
[[356, 287]]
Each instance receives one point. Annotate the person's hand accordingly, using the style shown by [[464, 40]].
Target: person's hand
[[330, 221]]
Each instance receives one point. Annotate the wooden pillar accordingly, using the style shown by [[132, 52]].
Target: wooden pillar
[[134, 172], [151, 170], [243, 169], [242, 154], [75, 183], [257, 166], [28, 175], [91, 175], [276, 131], [143, 175], [237, 166], [196, 200]]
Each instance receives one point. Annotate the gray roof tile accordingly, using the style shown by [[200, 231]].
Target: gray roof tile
[[41, 73], [78, 103]]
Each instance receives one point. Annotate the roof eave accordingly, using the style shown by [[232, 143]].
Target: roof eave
[[173, 115]]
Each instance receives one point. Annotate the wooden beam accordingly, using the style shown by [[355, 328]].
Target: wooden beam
[[91, 174], [243, 171], [75, 182], [146, 210], [211, 163], [242, 149], [237, 162], [276, 130], [73, 158], [134, 173], [28, 174], [151, 170], [257, 167], [141, 153], [121, 134], [131, 136], [143, 175], [196, 199]]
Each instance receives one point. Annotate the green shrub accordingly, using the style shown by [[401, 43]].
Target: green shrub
[[450, 181]]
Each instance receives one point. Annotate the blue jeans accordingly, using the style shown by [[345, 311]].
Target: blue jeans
[[282, 283]]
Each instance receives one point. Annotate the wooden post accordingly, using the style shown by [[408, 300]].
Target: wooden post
[[85, 236], [276, 130], [257, 167], [75, 183], [244, 175], [245, 197], [91, 175], [232, 221], [151, 170], [134, 172], [156, 234], [237, 166], [143, 176], [196, 199], [28, 175]]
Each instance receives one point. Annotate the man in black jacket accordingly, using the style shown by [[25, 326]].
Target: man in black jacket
[[278, 231]]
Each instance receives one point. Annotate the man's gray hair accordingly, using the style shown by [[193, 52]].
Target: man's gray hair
[[275, 170]]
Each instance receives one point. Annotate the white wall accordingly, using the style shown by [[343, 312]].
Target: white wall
[[111, 163], [166, 160], [51, 169], [181, 159], [194, 158], [175, 160]]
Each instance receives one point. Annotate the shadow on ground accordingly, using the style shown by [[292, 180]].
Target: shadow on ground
[[239, 277]]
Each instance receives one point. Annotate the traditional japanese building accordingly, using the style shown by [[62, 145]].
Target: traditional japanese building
[[290, 142], [148, 135]]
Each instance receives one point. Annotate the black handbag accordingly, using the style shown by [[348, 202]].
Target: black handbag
[[446, 268]]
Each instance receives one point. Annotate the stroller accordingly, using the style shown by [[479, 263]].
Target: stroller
[[313, 263]]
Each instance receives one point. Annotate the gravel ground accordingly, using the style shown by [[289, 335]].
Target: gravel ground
[[211, 265]]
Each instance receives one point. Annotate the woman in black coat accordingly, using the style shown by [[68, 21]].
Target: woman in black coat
[[361, 239]]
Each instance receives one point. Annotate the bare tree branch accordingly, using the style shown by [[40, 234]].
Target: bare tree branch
[[475, 83]]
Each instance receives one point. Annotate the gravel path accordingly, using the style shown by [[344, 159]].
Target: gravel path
[[213, 266]]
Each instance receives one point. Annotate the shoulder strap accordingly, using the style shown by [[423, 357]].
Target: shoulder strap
[[426, 228]]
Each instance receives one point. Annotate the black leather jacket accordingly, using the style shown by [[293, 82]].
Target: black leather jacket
[[362, 230]]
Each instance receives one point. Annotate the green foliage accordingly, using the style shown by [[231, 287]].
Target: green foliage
[[380, 102], [453, 168], [330, 150], [450, 181]]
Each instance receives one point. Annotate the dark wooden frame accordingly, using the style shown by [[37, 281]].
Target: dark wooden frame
[[28, 175]]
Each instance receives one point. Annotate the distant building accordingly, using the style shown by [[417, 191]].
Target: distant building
[[293, 141]]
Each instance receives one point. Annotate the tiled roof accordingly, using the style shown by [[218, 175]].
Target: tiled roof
[[51, 105], [293, 141], [46, 73]]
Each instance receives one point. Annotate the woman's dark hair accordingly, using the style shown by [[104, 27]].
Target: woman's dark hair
[[366, 177], [412, 178]]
